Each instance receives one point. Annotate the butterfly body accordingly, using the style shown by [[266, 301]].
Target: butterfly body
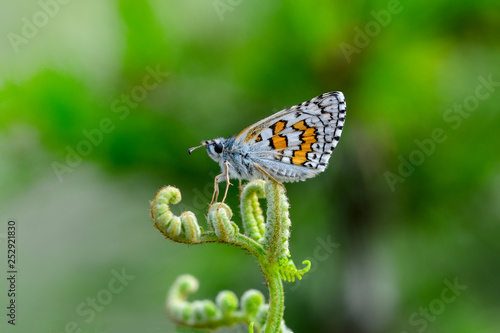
[[291, 145]]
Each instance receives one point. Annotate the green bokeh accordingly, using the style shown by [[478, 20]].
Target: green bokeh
[[392, 247]]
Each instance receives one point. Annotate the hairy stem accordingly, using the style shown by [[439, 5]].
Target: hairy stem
[[266, 241], [276, 298]]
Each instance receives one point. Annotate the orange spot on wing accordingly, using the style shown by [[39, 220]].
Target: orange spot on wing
[[308, 137], [279, 142], [299, 157], [278, 127], [300, 154], [310, 132], [305, 147], [301, 126]]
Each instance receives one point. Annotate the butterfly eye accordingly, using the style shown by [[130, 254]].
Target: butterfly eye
[[218, 148]]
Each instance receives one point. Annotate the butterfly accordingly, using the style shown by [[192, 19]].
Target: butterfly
[[291, 145]]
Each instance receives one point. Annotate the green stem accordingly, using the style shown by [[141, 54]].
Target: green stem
[[271, 274], [277, 229], [276, 298], [267, 242], [252, 246]]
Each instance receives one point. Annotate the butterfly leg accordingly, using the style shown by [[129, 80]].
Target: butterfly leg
[[226, 166], [215, 195], [269, 176]]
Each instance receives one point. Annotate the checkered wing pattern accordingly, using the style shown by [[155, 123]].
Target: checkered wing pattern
[[304, 135]]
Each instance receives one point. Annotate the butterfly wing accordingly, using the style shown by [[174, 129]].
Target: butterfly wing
[[297, 142]]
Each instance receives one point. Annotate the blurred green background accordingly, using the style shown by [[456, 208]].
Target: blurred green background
[[100, 100]]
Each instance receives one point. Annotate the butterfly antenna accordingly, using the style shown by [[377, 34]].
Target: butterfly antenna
[[190, 150]]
